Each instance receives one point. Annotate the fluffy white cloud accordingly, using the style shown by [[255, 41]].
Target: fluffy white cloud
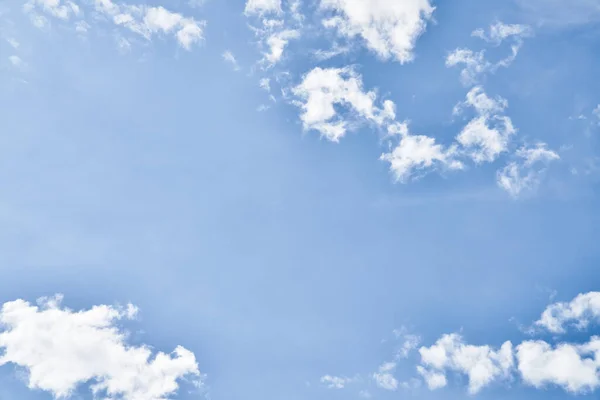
[[474, 63], [579, 311], [481, 364], [384, 377], [147, 21], [487, 135], [524, 174], [62, 349], [434, 380], [572, 367], [275, 27], [321, 90], [263, 7], [277, 42], [410, 343], [389, 28], [335, 382], [416, 153]]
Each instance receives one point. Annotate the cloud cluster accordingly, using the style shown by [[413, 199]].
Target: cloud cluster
[[474, 63], [321, 90], [274, 26], [383, 377], [481, 364], [487, 135], [525, 172], [142, 20], [62, 349], [574, 367], [388, 28]]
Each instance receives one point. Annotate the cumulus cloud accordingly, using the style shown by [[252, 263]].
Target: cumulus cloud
[[274, 27], [474, 63], [147, 21], [579, 312], [525, 173], [388, 28], [62, 349], [573, 367], [481, 364], [277, 42], [415, 154], [322, 90], [140, 19], [260, 7], [335, 382], [384, 377], [487, 135]]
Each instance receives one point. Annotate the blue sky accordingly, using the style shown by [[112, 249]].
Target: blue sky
[[305, 196]]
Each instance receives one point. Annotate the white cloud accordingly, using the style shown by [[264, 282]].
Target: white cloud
[[275, 27], [140, 19], [277, 41], [487, 135], [335, 382], [16, 61], [334, 51], [434, 380], [384, 377], [389, 28], [525, 174], [62, 349], [481, 364], [230, 58], [321, 90], [261, 7], [410, 343], [82, 26], [13, 43], [415, 153], [57, 8], [265, 83], [475, 64], [572, 367], [499, 31], [579, 311]]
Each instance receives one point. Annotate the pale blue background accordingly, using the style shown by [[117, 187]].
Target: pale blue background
[[275, 256]]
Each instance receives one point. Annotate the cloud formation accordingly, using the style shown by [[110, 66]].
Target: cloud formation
[[62, 349], [321, 90], [388, 28], [574, 367], [142, 20]]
